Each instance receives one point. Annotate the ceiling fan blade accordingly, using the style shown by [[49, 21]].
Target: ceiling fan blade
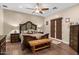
[[54, 7], [45, 9], [41, 12], [30, 8]]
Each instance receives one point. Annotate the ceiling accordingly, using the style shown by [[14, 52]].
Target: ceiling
[[21, 7]]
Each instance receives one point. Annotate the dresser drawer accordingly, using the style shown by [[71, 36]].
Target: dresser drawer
[[15, 37]]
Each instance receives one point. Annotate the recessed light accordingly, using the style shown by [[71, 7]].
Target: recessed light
[[5, 6], [55, 8]]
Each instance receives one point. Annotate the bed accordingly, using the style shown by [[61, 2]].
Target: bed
[[29, 35], [29, 29]]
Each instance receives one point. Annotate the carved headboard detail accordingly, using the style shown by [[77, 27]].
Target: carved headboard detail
[[27, 25]]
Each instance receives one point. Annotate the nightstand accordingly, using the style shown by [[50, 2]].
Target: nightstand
[[15, 37]]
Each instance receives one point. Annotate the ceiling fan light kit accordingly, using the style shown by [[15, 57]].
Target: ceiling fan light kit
[[38, 9]]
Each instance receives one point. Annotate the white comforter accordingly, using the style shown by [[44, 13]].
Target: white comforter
[[37, 35]]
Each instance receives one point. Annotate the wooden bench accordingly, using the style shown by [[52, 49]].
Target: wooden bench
[[39, 44]]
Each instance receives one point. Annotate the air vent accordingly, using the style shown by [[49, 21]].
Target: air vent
[[5, 6], [55, 8]]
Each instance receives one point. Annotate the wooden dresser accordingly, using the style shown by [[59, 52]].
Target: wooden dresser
[[2, 44], [15, 37], [74, 37]]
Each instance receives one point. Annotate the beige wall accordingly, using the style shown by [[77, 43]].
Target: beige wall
[[12, 19], [1, 21], [72, 13]]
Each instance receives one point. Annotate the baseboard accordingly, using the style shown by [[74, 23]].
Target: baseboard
[[65, 42]]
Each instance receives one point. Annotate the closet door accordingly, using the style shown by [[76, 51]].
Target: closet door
[[52, 28], [59, 28]]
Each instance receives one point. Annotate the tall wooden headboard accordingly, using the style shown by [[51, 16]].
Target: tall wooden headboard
[[27, 25]]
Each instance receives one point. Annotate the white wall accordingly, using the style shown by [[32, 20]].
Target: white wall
[[1, 22], [72, 13], [12, 19]]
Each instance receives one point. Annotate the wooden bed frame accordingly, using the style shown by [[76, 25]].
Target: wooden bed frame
[[31, 39]]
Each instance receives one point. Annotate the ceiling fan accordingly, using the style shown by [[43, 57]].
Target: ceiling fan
[[38, 9]]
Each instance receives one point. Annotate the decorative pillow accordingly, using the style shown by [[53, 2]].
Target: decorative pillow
[[23, 32]]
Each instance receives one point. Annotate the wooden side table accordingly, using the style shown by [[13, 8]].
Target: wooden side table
[[15, 37]]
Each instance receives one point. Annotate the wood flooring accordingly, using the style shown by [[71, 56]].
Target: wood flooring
[[59, 49]]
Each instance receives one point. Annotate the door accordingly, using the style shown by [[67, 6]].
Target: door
[[59, 28], [53, 28], [56, 28]]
